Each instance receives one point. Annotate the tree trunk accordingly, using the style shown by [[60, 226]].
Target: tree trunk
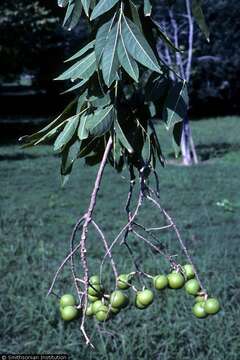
[[189, 154]]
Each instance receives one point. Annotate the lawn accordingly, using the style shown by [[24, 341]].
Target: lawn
[[36, 219]]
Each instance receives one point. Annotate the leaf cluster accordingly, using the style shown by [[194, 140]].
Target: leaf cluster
[[122, 89]]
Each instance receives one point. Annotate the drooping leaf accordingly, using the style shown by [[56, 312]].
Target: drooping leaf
[[80, 102], [30, 140], [68, 12], [176, 104], [62, 3], [67, 133], [69, 155], [102, 7], [86, 6], [100, 122], [75, 15], [138, 46], [110, 59], [176, 137], [165, 37], [122, 137], [199, 16], [82, 129], [135, 15], [147, 8], [82, 51], [74, 87], [126, 60], [101, 101], [146, 150], [102, 37], [81, 69]]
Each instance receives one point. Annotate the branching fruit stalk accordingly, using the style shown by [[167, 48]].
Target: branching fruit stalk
[[88, 218]]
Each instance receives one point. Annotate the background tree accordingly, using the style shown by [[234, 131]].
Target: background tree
[[123, 91]]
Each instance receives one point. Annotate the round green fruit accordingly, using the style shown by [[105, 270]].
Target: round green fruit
[[118, 299], [102, 313], [67, 300], [212, 306], [122, 281], [145, 297], [199, 310], [114, 310], [192, 287], [188, 271], [89, 310], [94, 280], [96, 305], [92, 298], [69, 313], [94, 290], [160, 282], [175, 280], [139, 305], [199, 298]]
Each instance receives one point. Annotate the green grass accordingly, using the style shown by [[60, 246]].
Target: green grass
[[36, 218]]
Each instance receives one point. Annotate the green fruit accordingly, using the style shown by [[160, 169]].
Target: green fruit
[[118, 299], [89, 310], [92, 298], [122, 281], [69, 313], [175, 280], [114, 310], [212, 306], [139, 305], [96, 305], [94, 280], [145, 297], [160, 282], [94, 290], [67, 300], [192, 287], [199, 298], [199, 310], [102, 313], [188, 271]]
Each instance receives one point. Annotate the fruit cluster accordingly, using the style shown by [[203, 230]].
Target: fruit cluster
[[104, 306]]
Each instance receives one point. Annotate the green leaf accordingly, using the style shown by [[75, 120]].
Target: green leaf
[[66, 135], [86, 6], [102, 7], [199, 16], [176, 137], [135, 15], [137, 45], [121, 136], [101, 101], [76, 14], [146, 150], [68, 12], [176, 104], [165, 37], [147, 8], [82, 69], [50, 128], [100, 122], [81, 101], [82, 129], [69, 155], [74, 87], [62, 3], [110, 61], [125, 59], [82, 51], [102, 37]]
